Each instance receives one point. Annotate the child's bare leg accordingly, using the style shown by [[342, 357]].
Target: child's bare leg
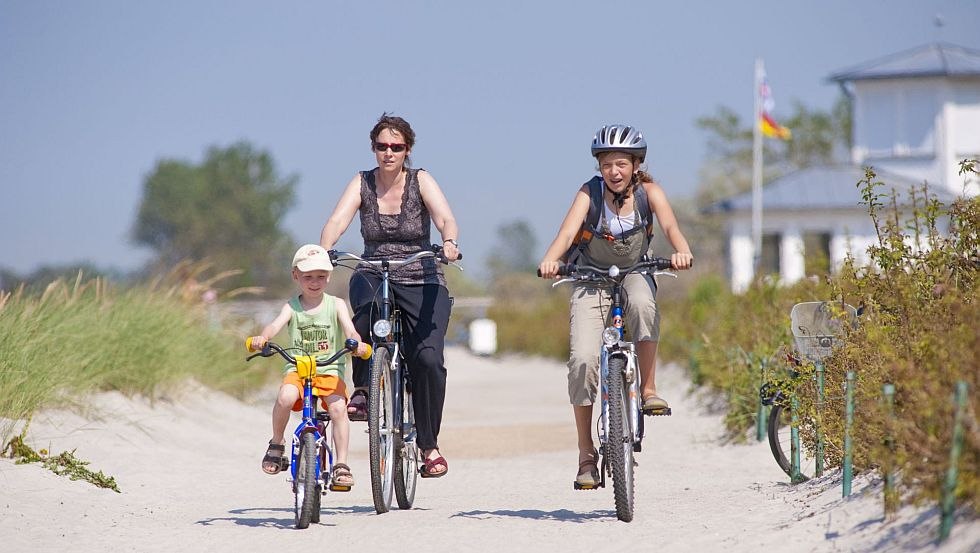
[[340, 425], [288, 394]]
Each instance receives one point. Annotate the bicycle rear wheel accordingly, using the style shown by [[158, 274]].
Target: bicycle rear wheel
[[780, 442], [619, 442], [381, 438], [305, 487], [407, 467]]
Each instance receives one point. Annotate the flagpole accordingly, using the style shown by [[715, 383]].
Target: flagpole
[[757, 170]]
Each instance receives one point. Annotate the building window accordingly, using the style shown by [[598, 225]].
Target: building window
[[769, 259], [816, 252]]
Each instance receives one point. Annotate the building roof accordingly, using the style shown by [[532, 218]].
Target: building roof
[[932, 60], [823, 188]]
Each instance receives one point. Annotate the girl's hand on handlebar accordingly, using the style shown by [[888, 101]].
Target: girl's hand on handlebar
[[682, 260], [548, 269]]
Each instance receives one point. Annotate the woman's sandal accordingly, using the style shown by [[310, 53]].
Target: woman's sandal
[[275, 460], [425, 471], [341, 479], [357, 408]]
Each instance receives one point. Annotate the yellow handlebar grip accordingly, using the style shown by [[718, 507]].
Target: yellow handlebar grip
[[248, 344], [367, 354]]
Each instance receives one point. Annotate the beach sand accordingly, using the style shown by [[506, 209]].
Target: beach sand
[[189, 475]]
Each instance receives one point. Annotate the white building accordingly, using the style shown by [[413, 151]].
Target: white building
[[916, 114]]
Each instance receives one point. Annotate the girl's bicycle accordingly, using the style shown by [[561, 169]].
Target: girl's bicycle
[[620, 424], [312, 456], [393, 451], [816, 329]]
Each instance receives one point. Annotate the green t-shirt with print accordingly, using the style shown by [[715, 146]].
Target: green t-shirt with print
[[318, 334]]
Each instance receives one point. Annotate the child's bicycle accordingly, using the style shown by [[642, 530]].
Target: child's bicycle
[[393, 451], [311, 463], [620, 425], [815, 332]]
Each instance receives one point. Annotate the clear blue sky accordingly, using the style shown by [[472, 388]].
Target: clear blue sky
[[504, 97]]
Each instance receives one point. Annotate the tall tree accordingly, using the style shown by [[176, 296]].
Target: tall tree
[[228, 210]]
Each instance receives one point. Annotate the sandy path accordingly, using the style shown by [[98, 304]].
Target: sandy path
[[190, 480]]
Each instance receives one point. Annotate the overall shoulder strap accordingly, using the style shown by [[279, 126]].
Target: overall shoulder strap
[[595, 202], [642, 203]]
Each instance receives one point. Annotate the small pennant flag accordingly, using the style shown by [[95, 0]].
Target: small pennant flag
[[767, 124]]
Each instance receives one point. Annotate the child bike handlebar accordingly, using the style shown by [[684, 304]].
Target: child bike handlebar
[[272, 348]]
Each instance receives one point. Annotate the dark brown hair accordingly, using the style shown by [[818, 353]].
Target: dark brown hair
[[395, 124]]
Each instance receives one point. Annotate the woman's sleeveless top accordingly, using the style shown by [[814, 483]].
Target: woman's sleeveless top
[[317, 334], [398, 236]]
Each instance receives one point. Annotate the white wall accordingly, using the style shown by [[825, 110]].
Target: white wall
[[851, 232], [918, 128]]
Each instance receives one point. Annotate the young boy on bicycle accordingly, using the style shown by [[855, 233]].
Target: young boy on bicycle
[[317, 323]]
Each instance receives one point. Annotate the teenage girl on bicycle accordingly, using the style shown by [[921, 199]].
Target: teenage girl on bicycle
[[620, 238], [318, 323]]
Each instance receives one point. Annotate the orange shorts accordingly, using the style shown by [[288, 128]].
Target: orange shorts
[[323, 385]]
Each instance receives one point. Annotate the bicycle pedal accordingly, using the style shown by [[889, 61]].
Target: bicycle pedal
[[585, 486], [336, 488], [657, 412]]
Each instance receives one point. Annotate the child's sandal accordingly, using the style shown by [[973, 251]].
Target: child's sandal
[[275, 460]]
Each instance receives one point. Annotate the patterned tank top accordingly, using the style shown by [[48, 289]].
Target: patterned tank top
[[398, 236], [317, 334]]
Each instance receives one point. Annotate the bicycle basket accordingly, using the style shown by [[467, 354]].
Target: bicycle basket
[[306, 366], [816, 328]]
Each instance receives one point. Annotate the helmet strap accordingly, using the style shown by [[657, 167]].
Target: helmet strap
[[619, 198]]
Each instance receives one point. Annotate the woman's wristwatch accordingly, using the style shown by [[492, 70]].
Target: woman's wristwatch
[[451, 241]]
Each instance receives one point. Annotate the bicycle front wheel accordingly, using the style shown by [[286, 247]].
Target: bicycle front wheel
[[407, 467], [619, 442], [780, 442], [381, 436], [306, 488]]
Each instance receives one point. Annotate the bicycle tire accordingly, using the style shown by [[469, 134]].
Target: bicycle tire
[[407, 465], [305, 487], [778, 429], [619, 443], [380, 421]]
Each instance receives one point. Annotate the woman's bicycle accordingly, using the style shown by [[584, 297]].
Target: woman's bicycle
[[620, 424], [312, 457], [393, 451], [816, 330]]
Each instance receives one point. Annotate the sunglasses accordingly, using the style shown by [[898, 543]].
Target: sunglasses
[[381, 147]]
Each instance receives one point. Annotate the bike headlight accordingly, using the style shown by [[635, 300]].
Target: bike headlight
[[382, 328], [614, 271], [610, 336]]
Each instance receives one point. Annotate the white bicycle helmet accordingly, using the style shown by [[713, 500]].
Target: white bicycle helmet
[[619, 138]]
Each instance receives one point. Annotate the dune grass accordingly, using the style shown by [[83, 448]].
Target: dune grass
[[80, 337]]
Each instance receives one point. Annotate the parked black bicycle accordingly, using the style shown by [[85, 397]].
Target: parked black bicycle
[[816, 331]]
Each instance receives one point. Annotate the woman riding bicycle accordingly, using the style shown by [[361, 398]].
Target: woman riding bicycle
[[620, 237], [396, 204]]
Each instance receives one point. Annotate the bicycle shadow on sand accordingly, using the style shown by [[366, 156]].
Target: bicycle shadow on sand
[[252, 518], [561, 515]]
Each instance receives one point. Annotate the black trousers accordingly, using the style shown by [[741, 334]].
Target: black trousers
[[425, 310]]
